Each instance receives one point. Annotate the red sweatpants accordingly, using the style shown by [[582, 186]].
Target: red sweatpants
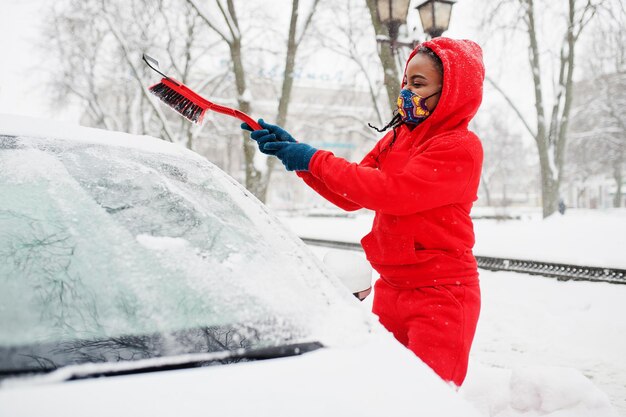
[[436, 323]]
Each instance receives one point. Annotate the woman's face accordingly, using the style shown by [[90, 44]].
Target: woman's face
[[423, 78]]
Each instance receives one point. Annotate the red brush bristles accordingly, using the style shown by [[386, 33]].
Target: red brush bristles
[[180, 98], [191, 105]]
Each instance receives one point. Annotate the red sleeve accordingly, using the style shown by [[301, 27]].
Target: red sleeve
[[445, 173], [329, 195], [336, 198]]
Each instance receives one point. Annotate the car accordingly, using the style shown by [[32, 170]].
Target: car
[[137, 278]]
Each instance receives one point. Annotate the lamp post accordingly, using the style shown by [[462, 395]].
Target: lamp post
[[435, 16], [392, 14]]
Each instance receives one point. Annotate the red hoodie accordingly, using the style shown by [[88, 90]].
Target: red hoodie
[[423, 187]]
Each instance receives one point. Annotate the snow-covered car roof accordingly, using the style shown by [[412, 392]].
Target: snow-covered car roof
[[51, 129]]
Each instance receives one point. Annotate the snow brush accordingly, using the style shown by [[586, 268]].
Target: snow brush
[[187, 102]]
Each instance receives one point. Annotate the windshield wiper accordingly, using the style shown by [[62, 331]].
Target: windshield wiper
[[190, 360]]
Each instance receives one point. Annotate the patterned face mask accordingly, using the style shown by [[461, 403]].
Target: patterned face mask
[[412, 107]]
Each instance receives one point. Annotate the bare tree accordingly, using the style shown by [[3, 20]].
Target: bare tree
[[613, 106], [387, 57], [96, 54], [599, 140], [598, 135], [77, 40], [228, 28], [506, 159], [297, 30], [225, 23], [550, 132], [352, 38]]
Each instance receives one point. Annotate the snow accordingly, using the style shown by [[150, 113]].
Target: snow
[[543, 347], [554, 169], [580, 237], [562, 339], [303, 386], [42, 128], [162, 243], [566, 388], [125, 251], [354, 271], [246, 96], [67, 372], [546, 391]]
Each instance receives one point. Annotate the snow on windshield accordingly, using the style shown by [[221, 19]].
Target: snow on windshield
[[100, 241]]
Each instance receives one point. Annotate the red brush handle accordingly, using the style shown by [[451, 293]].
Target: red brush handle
[[192, 95], [235, 113]]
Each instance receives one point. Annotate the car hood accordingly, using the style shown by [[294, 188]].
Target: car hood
[[377, 378]]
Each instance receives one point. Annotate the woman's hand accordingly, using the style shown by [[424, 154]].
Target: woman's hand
[[269, 133], [294, 156], [362, 294]]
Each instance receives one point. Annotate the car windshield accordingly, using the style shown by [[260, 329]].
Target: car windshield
[[113, 253]]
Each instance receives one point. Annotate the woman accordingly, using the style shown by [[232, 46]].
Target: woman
[[421, 180]]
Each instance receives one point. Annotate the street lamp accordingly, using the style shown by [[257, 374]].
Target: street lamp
[[435, 16], [392, 14]]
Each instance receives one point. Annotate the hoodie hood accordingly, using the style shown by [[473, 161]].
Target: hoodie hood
[[462, 91]]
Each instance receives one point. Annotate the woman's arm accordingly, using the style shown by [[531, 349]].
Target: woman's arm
[[447, 172], [319, 187], [338, 199]]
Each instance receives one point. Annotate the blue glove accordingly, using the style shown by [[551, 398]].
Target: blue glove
[[270, 133], [294, 156]]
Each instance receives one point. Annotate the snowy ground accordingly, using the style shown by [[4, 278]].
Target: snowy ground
[[543, 347], [536, 339]]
